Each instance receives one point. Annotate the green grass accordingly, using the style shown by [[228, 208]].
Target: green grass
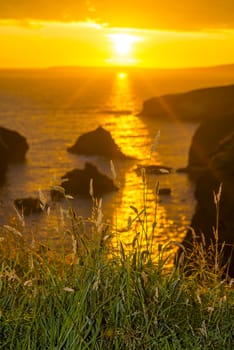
[[97, 296]]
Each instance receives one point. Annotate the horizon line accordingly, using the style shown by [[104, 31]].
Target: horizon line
[[127, 67]]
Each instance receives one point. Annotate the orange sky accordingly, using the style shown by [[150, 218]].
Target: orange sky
[[124, 32]]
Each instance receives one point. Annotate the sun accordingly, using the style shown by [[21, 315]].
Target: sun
[[123, 43], [123, 49]]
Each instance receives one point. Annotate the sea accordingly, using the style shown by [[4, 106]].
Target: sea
[[53, 107]]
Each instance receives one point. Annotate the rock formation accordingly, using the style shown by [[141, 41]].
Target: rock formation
[[165, 191], [193, 105], [3, 163], [219, 172], [28, 205], [13, 148], [15, 145], [154, 169], [206, 139], [78, 182], [97, 142]]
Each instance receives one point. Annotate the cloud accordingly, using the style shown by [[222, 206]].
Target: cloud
[[164, 14], [168, 14], [58, 10]]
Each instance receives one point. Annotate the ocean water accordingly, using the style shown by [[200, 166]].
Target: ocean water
[[52, 108]]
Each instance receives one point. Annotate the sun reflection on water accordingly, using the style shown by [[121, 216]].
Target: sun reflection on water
[[138, 203], [128, 130], [121, 75], [135, 139]]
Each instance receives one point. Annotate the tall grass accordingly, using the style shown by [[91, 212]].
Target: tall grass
[[97, 296]]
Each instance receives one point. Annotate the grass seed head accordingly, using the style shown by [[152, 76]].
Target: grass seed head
[[91, 188], [113, 172], [155, 143]]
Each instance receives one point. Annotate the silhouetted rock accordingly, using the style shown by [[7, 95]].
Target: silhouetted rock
[[184, 170], [3, 163], [154, 169], [57, 194], [165, 191], [220, 171], [97, 142], [78, 182], [193, 105], [206, 139], [28, 205], [14, 144]]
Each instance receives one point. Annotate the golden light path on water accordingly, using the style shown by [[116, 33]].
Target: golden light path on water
[[137, 193]]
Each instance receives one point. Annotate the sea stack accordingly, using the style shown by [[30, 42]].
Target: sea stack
[[97, 142]]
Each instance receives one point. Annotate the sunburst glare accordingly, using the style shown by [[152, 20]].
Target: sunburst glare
[[123, 46]]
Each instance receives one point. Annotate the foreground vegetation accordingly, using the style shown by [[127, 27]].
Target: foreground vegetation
[[100, 295]]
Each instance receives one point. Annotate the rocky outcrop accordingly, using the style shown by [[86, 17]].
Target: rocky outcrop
[[14, 144], [206, 139], [164, 191], [13, 148], [193, 105], [3, 163], [29, 205], [97, 142], [220, 172], [154, 169], [78, 182]]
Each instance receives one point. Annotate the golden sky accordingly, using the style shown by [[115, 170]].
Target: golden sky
[[147, 33]]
